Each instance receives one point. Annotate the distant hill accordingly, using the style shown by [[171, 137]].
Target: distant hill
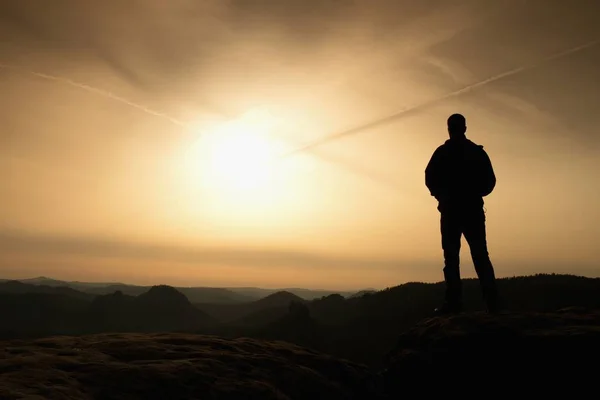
[[283, 298], [364, 328], [162, 308], [359, 328], [216, 295], [194, 294], [297, 326], [82, 286], [362, 293], [306, 294], [40, 314], [118, 287], [42, 280], [252, 313], [26, 312], [17, 287]]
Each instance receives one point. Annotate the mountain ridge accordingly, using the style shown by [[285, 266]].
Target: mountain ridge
[[196, 294], [358, 328]]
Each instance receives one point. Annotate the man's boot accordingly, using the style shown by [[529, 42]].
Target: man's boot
[[453, 298], [490, 295]]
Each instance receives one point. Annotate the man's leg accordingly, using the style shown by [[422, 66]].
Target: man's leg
[[451, 230], [475, 234]]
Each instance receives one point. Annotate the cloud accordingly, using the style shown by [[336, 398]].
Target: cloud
[[48, 246], [327, 65], [153, 42]]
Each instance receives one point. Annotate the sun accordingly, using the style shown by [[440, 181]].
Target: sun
[[236, 155], [241, 160], [229, 175]]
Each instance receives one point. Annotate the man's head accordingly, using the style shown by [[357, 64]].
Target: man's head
[[457, 126]]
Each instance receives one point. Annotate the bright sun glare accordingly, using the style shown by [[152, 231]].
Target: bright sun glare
[[236, 155], [232, 173]]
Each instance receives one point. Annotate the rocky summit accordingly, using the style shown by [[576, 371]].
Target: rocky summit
[[537, 353], [471, 354]]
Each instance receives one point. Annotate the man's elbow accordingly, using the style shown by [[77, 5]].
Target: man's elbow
[[489, 189], [430, 184]]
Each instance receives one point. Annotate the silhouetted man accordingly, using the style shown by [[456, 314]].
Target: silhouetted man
[[459, 175]]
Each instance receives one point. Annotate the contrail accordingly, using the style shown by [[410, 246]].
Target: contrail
[[112, 96], [349, 167], [356, 169], [95, 90], [395, 116]]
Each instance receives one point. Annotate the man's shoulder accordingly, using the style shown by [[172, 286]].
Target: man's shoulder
[[476, 147], [449, 147], [438, 150], [478, 152], [473, 144]]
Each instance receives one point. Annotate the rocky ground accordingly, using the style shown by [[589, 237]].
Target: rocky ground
[[526, 352], [173, 366], [472, 354]]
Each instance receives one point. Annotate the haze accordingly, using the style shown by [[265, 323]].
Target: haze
[[114, 165]]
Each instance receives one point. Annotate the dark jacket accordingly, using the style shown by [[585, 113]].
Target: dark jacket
[[460, 174]]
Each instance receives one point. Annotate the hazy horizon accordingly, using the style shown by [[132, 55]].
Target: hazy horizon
[[316, 289], [167, 255], [139, 141]]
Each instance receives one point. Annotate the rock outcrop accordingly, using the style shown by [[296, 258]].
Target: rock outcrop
[[533, 352], [174, 367]]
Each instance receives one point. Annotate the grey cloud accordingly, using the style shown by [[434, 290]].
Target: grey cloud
[[379, 56], [155, 42], [203, 52], [523, 32], [45, 245]]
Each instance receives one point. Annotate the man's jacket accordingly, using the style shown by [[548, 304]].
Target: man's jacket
[[460, 174]]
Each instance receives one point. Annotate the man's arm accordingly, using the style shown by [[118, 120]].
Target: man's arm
[[432, 173], [488, 181]]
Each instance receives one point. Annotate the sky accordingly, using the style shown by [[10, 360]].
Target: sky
[[143, 141]]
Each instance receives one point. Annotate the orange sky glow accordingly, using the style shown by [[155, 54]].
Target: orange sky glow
[[142, 141]]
